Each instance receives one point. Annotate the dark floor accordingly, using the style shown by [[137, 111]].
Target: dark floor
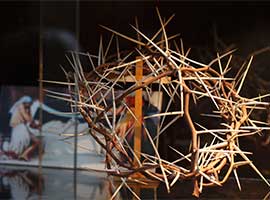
[[30, 183]]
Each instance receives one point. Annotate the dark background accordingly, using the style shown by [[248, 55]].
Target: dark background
[[242, 23]]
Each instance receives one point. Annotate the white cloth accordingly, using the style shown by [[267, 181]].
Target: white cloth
[[20, 139]]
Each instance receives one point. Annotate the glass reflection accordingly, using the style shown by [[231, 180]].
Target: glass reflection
[[20, 184], [30, 183]]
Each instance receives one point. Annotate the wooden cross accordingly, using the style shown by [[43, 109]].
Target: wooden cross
[[138, 112]]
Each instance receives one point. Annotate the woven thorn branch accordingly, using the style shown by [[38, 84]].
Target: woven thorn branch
[[104, 103]]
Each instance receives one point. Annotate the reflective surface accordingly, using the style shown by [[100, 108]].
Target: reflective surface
[[30, 183]]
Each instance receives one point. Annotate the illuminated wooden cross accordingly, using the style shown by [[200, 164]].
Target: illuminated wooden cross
[[138, 113]]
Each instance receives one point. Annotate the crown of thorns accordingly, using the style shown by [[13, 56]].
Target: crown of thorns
[[101, 96]]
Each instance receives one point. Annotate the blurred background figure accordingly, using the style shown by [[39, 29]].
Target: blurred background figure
[[23, 140]]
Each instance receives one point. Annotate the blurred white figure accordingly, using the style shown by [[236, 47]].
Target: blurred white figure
[[23, 131], [20, 111]]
